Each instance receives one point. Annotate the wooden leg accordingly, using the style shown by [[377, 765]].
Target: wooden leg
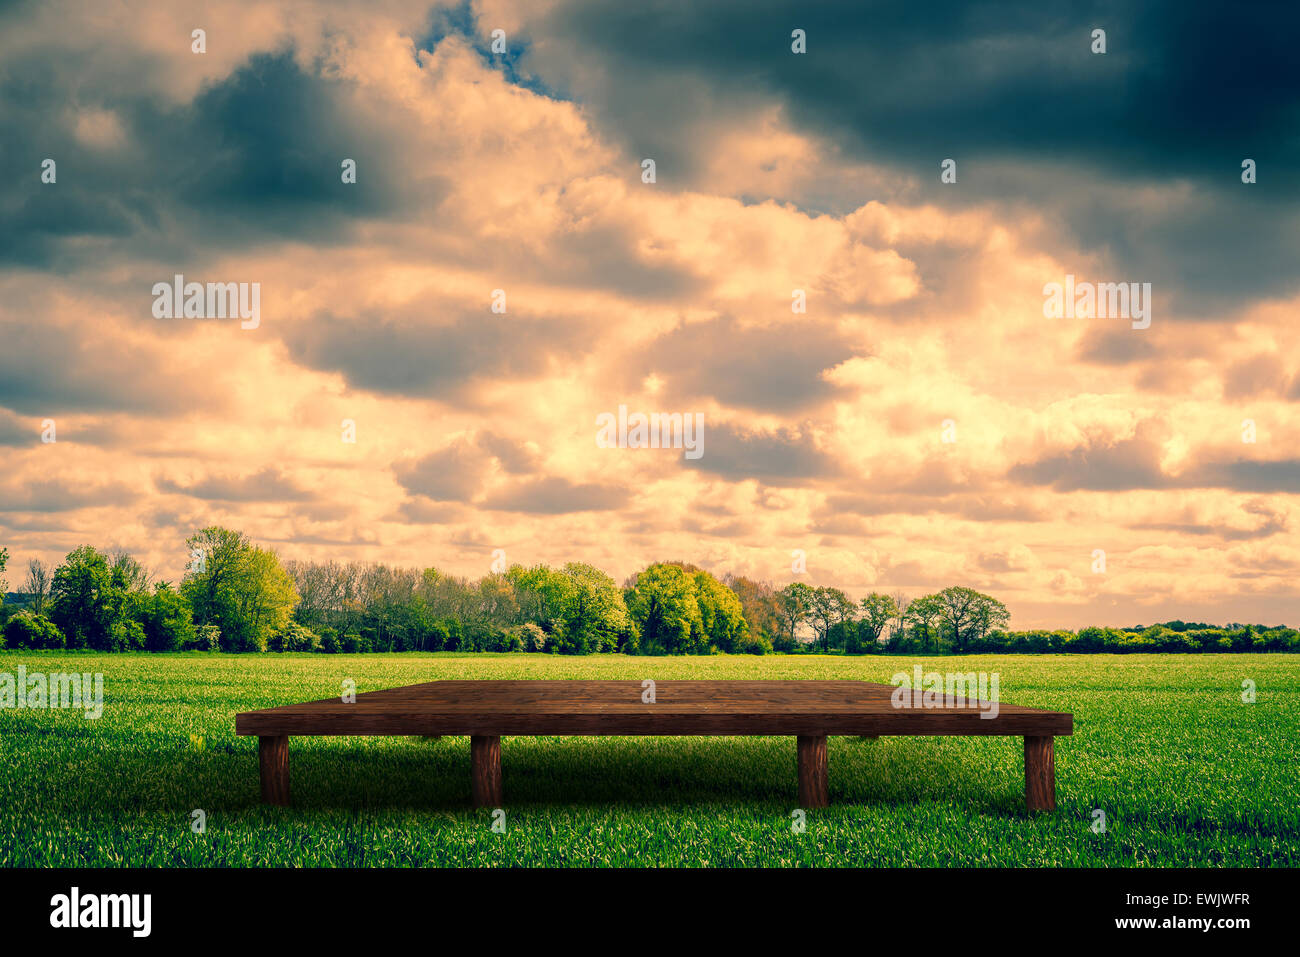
[[485, 770], [273, 757], [814, 788], [1040, 773]]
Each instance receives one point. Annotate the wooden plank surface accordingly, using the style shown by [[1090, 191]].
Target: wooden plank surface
[[493, 708]]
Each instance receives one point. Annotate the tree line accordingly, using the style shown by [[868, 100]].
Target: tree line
[[236, 596]]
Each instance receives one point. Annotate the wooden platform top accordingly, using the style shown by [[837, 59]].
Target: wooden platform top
[[680, 707]]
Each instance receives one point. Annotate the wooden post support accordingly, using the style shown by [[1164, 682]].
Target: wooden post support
[[273, 757], [1040, 772], [485, 770], [814, 786]]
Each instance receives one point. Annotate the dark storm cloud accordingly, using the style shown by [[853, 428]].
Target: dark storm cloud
[[782, 457], [1114, 348], [268, 485], [557, 496], [48, 368], [515, 457], [1261, 374], [603, 257], [1247, 475], [19, 432], [1105, 465], [256, 155], [1011, 90], [16, 432], [410, 356], [459, 472], [1099, 467], [60, 495], [976, 508], [770, 369], [424, 512], [1226, 532], [453, 474]]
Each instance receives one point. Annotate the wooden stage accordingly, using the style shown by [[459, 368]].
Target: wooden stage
[[809, 710]]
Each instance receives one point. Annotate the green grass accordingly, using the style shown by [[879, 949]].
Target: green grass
[[1186, 773]]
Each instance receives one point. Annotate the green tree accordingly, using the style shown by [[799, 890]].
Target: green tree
[[987, 615], [597, 617], [827, 608], [82, 599], [762, 611], [37, 586], [544, 594], [878, 611], [794, 602], [169, 620], [28, 630], [922, 614], [958, 605], [579, 608], [240, 588], [662, 602], [721, 616], [969, 614]]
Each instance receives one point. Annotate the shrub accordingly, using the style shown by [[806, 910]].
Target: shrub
[[1087, 640], [511, 639], [534, 639], [26, 630], [785, 645], [168, 621], [294, 637], [208, 638], [329, 641], [437, 637], [127, 634]]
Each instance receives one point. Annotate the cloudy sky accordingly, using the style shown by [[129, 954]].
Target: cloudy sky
[[921, 424]]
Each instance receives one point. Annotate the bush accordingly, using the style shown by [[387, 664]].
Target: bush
[[532, 636], [1087, 640], [208, 638], [168, 621], [329, 641], [127, 634], [510, 639], [26, 630], [294, 637], [437, 637]]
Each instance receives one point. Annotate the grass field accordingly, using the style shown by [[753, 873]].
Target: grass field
[[1186, 773]]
